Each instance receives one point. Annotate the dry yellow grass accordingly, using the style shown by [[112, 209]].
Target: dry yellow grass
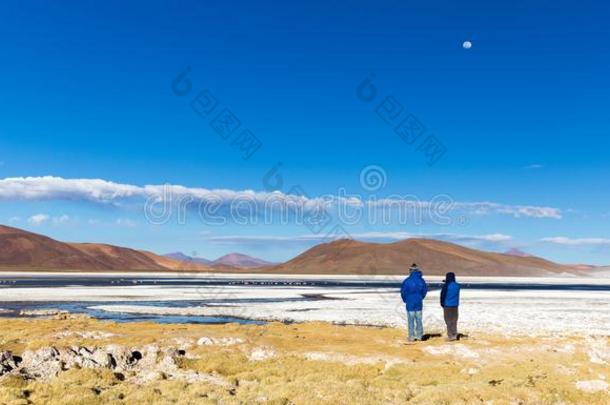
[[314, 363]]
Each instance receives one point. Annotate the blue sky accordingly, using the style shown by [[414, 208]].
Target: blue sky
[[523, 116]]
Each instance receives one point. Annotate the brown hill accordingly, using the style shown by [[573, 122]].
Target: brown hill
[[24, 250], [434, 257], [27, 250]]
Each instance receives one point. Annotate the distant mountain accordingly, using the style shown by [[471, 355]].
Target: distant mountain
[[185, 258], [435, 257], [26, 250], [601, 271], [517, 252], [241, 260], [226, 262]]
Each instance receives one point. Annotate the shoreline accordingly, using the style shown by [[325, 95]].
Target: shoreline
[[564, 279]]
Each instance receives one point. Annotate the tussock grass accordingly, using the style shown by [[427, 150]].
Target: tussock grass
[[313, 363]]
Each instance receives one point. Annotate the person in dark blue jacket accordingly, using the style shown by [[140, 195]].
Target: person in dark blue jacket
[[413, 291], [450, 301]]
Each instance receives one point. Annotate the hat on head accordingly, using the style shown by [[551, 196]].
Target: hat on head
[[413, 268]]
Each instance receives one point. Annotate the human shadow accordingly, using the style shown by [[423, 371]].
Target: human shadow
[[429, 336]]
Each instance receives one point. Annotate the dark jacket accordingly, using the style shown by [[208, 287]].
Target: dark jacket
[[413, 291], [450, 293]]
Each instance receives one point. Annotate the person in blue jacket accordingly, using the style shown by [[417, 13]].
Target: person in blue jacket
[[413, 291], [450, 301]]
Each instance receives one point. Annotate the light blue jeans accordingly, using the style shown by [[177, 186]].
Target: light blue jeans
[[416, 327]]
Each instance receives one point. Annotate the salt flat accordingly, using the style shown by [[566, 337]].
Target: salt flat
[[529, 312], [514, 312]]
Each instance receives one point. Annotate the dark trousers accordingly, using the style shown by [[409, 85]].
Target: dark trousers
[[451, 319]]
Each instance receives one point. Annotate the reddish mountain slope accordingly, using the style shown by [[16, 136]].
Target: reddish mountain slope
[[434, 257], [27, 250]]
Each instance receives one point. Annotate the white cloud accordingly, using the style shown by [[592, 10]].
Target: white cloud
[[386, 236], [517, 211], [451, 237], [103, 191], [13, 220], [565, 241], [237, 239], [126, 222], [534, 166], [38, 219], [49, 187], [62, 219]]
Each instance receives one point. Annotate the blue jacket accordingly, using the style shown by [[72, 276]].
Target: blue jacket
[[450, 295], [413, 291]]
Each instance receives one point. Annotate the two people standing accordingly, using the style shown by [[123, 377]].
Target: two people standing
[[413, 291]]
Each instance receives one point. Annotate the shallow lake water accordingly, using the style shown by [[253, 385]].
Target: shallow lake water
[[186, 285]]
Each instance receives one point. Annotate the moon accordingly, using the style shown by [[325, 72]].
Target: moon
[[467, 45]]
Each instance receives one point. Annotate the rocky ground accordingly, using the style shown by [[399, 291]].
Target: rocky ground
[[77, 360]]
